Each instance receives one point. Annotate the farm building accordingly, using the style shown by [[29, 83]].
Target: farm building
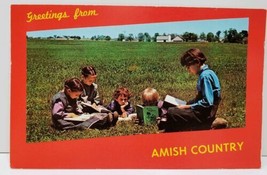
[[177, 39], [168, 39], [163, 39]]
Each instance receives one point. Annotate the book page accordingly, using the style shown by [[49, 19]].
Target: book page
[[174, 100], [81, 117]]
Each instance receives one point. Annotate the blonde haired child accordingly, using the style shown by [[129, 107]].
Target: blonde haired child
[[151, 97]]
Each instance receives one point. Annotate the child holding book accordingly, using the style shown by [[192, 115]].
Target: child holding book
[[120, 105], [202, 109], [90, 99], [150, 97], [90, 93], [64, 103]]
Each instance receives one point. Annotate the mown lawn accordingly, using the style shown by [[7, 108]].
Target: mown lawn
[[134, 65]]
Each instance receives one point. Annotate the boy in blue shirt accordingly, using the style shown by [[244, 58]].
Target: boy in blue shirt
[[198, 113]]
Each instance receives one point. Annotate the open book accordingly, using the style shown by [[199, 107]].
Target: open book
[[81, 117], [91, 108], [171, 101], [147, 114]]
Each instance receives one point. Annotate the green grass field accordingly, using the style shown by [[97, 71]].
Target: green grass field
[[134, 65]]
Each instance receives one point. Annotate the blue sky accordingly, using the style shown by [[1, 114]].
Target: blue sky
[[167, 27]]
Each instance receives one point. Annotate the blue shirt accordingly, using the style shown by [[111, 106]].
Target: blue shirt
[[208, 86]]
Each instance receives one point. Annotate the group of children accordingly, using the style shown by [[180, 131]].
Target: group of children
[[200, 110], [69, 102]]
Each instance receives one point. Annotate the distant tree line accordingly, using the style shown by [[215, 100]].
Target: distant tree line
[[229, 36], [101, 37], [141, 37]]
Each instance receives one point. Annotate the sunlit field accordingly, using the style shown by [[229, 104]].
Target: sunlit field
[[136, 65]]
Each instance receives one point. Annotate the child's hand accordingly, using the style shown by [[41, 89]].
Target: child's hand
[[84, 99], [71, 115], [124, 115], [94, 105], [183, 106], [123, 106]]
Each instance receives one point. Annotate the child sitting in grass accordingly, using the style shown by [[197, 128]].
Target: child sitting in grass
[[120, 105], [150, 97], [90, 93], [200, 111], [64, 103], [90, 99]]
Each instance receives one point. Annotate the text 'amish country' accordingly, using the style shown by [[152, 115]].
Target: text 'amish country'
[[197, 149]]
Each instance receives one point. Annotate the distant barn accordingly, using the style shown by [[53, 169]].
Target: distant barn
[[167, 39], [177, 39]]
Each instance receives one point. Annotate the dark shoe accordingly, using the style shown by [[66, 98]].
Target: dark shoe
[[219, 123]]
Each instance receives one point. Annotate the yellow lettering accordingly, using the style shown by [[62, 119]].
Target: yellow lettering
[[225, 146], [155, 153], [65, 15], [240, 145], [193, 150], [45, 16], [76, 14], [29, 17], [175, 151], [79, 13], [232, 147], [183, 150], [202, 149], [219, 148], [210, 149], [164, 152]]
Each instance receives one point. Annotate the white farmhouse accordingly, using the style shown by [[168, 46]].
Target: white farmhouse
[[163, 39], [167, 39]]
